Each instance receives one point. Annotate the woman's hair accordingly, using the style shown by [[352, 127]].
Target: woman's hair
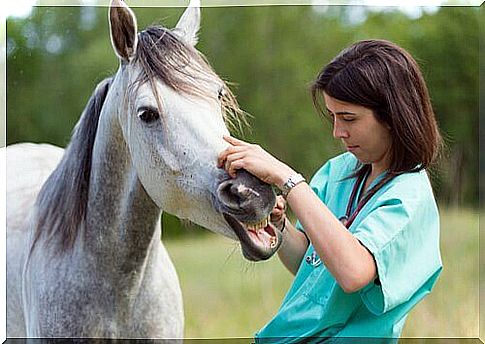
[[385, 78]]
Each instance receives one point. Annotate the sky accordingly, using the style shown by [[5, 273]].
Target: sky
[[17, 8], [22, 8]]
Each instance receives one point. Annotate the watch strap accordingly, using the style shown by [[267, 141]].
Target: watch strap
[[292, 181]]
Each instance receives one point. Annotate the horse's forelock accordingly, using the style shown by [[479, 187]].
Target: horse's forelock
[[162, 55], [62, 202]]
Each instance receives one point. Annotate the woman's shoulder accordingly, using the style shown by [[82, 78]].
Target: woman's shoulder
[[411, 183], [412, 190]]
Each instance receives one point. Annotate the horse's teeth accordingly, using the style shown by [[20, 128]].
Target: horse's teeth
[[259, 225]]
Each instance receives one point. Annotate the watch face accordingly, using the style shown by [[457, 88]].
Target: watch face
[[291, 183]]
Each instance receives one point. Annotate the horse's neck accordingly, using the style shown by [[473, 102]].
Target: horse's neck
[[121, 220]]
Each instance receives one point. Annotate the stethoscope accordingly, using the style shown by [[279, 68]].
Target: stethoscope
[[313, 259]]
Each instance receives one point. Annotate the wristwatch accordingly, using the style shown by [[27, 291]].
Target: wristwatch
[[293, 181]]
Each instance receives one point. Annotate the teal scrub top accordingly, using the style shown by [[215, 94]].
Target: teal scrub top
[[400, 227]]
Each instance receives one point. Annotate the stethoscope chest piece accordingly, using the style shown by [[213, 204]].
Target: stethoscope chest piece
[[313, 259]]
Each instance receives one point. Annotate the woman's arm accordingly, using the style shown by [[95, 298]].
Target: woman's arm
[[294, 243], [346, 258], [292, 248]]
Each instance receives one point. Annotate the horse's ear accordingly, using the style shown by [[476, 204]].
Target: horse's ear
[[122, 22], [189, 24]]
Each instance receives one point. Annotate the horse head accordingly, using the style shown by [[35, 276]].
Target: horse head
[[173, 109]]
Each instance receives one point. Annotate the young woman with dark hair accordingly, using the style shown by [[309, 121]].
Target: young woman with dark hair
[[365, 248]]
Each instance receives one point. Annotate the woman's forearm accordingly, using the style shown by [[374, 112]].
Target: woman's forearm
[[345, 257], [292, 248], [350, 263]]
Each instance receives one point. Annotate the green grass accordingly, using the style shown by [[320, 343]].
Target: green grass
[[227, 296]]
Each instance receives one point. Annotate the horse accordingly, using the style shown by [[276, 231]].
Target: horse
[[84, 250]]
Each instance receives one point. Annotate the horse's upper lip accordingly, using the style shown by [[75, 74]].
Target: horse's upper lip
[[254, 249]]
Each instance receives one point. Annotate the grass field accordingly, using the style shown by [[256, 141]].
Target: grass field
[[226, 296]]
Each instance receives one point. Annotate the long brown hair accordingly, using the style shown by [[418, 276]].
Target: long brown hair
[[385, 78]]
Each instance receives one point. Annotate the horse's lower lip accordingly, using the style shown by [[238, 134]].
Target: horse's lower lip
[[251, 250]]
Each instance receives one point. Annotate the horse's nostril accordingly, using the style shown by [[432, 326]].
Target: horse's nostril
[[246, 197], [230, 194]]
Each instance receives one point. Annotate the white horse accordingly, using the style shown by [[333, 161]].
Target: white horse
[[83, 248]]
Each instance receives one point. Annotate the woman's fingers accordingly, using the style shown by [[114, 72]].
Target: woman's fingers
[[280, 207], [277, 217], [234, 141], [229, 164], [280, 203], [233, 157], [236, 146], [252, 158], [234, 166], [227, 152]]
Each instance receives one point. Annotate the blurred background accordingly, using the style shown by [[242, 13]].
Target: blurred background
[[56, 56]]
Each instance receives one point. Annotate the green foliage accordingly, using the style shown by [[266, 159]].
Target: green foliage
[[58, 54], [453, 40], [52, 69]]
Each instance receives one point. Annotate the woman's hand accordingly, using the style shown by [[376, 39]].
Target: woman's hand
[[278, 214], [255, 160]]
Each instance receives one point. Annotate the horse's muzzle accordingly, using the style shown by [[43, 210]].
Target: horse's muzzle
[[246, 203]]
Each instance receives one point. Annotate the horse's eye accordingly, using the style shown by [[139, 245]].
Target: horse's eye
[[148, 115]]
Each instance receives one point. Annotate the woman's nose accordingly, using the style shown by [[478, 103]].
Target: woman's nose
[[339, 132]]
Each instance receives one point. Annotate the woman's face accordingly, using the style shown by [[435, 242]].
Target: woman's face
[[361, 133]]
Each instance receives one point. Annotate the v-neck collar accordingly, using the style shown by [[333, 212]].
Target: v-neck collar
[[362, 192]]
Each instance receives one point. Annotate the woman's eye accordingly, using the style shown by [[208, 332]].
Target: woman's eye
[[148, 115], [349, 119]]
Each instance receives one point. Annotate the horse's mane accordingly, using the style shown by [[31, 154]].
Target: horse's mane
[[62, 201]]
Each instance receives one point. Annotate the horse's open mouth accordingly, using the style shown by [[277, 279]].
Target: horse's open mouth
[[259, 241]]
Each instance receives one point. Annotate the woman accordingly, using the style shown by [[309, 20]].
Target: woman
[[365, 248]]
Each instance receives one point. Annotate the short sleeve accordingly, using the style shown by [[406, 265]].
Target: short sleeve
[[318, 183], [403, 237]]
